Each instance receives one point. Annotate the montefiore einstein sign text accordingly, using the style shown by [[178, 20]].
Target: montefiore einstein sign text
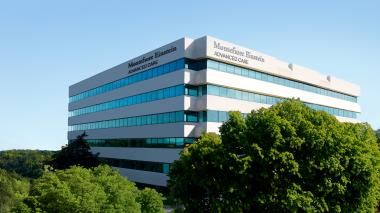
[[149, 61], [234, 54]]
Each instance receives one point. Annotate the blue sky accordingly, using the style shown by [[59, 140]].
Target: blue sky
[[45, 46]]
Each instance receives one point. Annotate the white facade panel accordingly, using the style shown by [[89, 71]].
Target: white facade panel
[[228, 104], [162, 155], [152, 178], [147, 131], [234, 54], [349, 120], [193, 130], [213, 127], [195, 77], [195, 103], [173, 51]]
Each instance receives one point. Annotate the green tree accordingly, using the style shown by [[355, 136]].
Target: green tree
[[287, 158], [28, 163], [75, 153], [195, 179], [77, 189], [150, 201], [13, 188]]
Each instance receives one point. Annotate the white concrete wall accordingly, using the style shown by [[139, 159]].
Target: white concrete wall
[[147, 131], [121, 71], [162, 155], [153, 178]]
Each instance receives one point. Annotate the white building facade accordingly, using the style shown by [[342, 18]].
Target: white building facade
[[140, 114]]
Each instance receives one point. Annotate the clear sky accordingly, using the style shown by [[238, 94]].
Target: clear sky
[[45, 46]]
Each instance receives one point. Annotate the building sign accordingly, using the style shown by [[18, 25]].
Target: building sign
[[149, 61], [233, 53]]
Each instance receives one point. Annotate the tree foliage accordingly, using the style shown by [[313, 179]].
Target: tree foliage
[[13, 188], [150, 201], [28, 163], [287, 158], [75, 153], [77, 189]]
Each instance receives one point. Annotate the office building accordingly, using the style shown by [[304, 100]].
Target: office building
[[140, 114]]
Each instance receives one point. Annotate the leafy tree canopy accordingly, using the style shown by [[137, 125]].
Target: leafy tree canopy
[[75, 153], [28, 163], [77, 189], [150, 201], [287, 158], [13, 188]]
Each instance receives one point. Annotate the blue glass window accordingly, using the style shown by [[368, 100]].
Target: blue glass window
[[165, 168], [191, 90], [191, 116], [212, 116], [213, 64], [179, 116]]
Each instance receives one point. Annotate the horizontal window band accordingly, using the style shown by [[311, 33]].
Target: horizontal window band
[[137, 165], [161, 118], [160, 94], [191, 116], [228, 68], [198, 91], [141, 142], [145, 97], [141, 76], [266, 99], [212, 64]]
